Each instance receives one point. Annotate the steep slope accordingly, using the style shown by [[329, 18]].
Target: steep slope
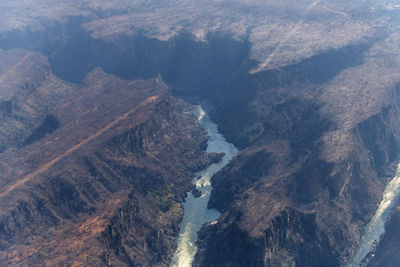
[[307, 89], [315, 162], [104, 186], [302, 28], [27, 92]]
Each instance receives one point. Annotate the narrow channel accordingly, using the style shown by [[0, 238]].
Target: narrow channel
[[196, 211], [376, 227]]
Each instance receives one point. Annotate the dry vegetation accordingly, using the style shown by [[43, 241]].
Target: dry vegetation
[[280, 33]]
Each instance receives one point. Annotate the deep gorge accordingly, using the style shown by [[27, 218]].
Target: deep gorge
[[272, 116]]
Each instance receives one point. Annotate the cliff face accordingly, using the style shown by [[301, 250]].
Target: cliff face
[[314, 164], [93, 167], [98, 176], [27, 90], [191, 68]]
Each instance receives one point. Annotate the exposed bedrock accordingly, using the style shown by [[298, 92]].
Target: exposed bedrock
[[296, 195], [101, 194], [318, 141]]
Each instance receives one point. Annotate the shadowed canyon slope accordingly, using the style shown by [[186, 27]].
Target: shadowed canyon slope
[[97, 152], [97, 189]]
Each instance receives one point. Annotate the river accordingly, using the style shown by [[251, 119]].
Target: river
[[376, 227], [196, 212]]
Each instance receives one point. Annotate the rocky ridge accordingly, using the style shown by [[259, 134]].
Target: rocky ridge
[[104, 187], [316, 158], [309, 92]]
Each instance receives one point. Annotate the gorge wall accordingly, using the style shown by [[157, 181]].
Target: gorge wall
[[95, 162], [103, 187], [310, 175]]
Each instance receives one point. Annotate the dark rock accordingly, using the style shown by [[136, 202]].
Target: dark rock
[[196, 192], [216, 157], [49, 125], [6, 108], [102, 183]]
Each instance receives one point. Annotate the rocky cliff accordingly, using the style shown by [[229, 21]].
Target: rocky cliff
[[317, 155], [97, 175], [96, 155]]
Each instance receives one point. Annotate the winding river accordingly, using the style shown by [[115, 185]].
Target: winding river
[[196, 212], [376, 227]]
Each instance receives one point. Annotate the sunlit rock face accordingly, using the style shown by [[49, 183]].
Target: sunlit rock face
[[97, 152], [84, 175]]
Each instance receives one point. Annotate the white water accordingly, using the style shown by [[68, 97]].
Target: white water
[[196, 212], [376, 227]]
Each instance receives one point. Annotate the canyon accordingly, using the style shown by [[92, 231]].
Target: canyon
[[99, 144]]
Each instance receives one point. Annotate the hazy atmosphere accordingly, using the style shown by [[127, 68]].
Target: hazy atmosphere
[[207, 133]]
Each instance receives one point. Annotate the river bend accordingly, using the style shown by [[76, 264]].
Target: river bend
[[196, 211]]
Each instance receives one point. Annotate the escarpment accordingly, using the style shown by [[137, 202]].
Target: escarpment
[[104, 187], [317, 157], [28, 93], [97, 152]]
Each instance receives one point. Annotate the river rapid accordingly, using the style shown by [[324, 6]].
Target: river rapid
[[376, 227], [196, 211]]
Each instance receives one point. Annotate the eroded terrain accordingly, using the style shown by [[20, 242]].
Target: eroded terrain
[[97, 152]]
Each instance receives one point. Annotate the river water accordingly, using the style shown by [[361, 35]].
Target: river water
[[376, 227], [196, 212]]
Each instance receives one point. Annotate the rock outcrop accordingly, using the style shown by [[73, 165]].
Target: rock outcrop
[[93, 167], [98, 176], [316, 156]]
